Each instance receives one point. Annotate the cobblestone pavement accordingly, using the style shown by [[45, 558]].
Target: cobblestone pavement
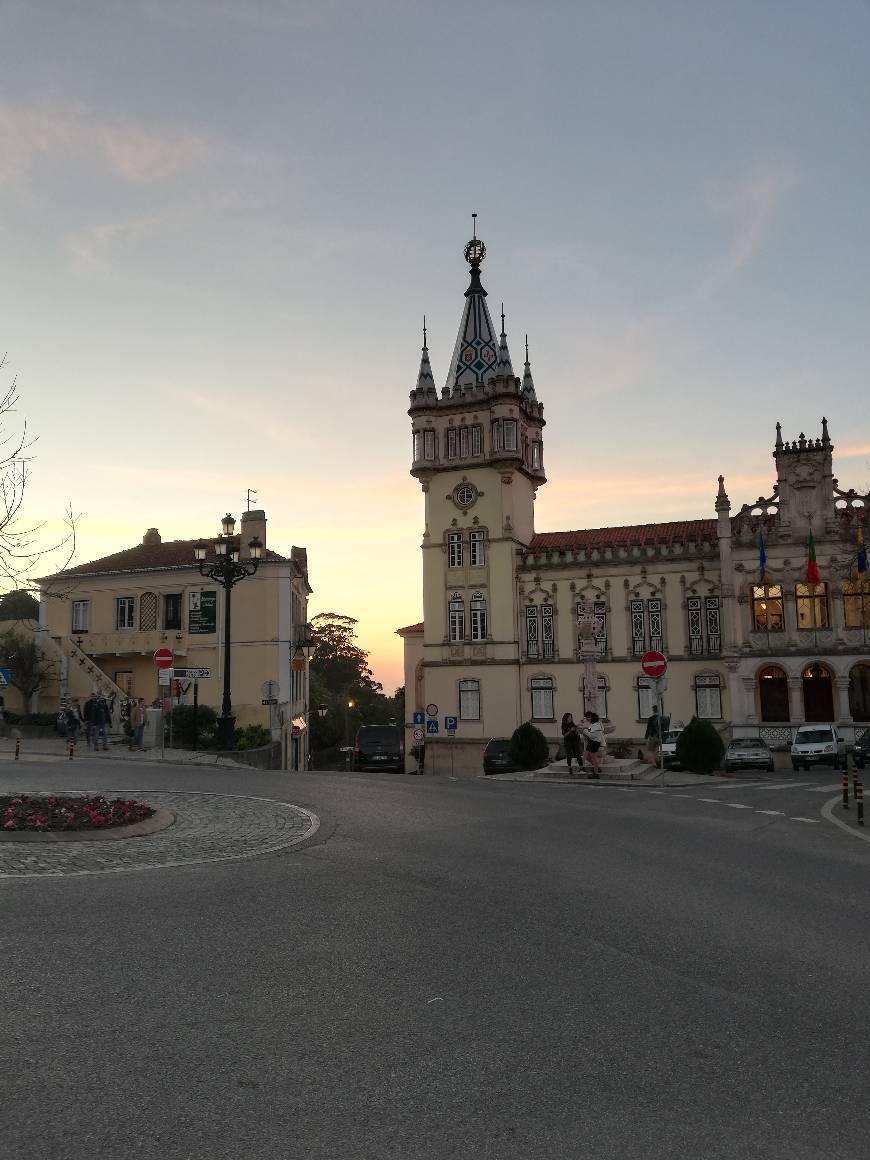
[[208, 828]]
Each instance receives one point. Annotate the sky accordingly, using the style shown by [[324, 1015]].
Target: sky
[[221, 222]]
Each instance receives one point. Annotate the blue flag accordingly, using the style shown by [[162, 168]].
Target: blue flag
[[862, 552], [762, 560]]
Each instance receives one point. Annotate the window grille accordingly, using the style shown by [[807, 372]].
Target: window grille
[[454, 549], [477, 549], [532, 633], [638, 628], [547, 634], [599, 632], [469, 700], [703, 624]]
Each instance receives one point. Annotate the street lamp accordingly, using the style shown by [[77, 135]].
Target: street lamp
[[227, 570], [322, 710]]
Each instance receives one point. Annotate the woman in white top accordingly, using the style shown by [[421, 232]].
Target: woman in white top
[[593, 734]]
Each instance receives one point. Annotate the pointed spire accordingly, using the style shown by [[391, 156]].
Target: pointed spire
[[425, 381], [723, 504], [503, 366], [528, 382], [476, 353], [778, 444], [826, 439]]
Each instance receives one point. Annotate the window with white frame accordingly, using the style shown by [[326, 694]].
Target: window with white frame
[[495, 435], [598, 610], [478, 616], [533, 632], [708, 697], [463, 442], [704, 624], [646, 698], [124, 606], [509, 433], [477, 548], [418, 445], [477, 439], [452, 442], [81, 615], [456, 610], [646, 625], [547, 633], [542, 698], [601, 708], [428, 444], [469, 700], [537, 455], [454, 549]]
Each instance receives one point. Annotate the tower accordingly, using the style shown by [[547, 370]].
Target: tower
[[478, 454]]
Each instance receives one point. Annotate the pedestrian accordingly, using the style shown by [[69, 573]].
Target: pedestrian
[[102, 721], [138, 717], [571, 738], [593, 735], [73, 721], [89, 715]]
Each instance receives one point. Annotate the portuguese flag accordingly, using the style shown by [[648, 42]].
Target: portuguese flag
[[813, 576]]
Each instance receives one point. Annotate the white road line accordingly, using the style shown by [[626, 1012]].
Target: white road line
[[785, 785], [812, 821], [682, 795], [828, 812], [773, 813], [738, 806], [659, 792], [715, 801], [823, 788]]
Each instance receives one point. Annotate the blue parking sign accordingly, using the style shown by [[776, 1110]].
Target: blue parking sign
[[431, 725], [419, 717], [450, 724]]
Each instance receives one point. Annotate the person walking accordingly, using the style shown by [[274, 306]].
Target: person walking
[[571, 739], [73, 721], [138, 717], [89, 715], [593, 735], [102, 721]]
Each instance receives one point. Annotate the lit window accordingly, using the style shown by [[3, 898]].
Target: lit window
[[767, 608], [454, 549], [477, 548], [856, 603], [708, 697], [469, 700], [456, 609], [542, 698], [811, 603], [478, 616]]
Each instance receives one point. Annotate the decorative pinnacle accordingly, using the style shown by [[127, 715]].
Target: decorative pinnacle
[[779, 436], [503, 335], [723, 504], [424, 333]]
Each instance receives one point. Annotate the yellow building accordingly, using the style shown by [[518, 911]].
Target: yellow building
[[524, 626], [101, 623]]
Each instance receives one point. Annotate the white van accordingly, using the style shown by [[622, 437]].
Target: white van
[[818, 745]]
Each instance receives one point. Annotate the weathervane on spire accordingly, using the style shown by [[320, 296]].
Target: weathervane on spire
[[475, 250], [424, 332]]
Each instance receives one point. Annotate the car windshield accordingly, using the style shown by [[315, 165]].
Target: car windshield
[[496, 748], [672, 734], [811, 736], [747, 743], [378, 733]]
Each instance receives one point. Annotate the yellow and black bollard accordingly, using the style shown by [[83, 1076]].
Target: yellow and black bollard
[[855, 784], [859, 801], [845, 789], [72, 748], [17, 748]]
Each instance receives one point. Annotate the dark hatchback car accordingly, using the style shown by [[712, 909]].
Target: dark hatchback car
[[379, 747], [861, 752], [497, 757]]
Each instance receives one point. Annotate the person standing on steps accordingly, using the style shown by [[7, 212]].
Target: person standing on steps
[[571, 738], [593, 735]]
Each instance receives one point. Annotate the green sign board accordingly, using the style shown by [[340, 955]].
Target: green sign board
[[202, 612]]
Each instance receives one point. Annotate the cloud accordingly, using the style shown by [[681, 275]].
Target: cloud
[[750, 203]]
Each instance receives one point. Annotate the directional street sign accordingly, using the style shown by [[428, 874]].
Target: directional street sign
[[5, 678], [654, 663], [419, 734], [431, 725], [449, 724], [164, 677], [269, 701], [419, 717], [192, 674]]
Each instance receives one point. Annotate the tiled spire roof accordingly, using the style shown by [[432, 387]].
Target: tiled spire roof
[[503, 365], [476, 351], [424, 378], [528, 381]]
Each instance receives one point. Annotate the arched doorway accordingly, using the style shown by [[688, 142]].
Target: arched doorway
[[859, 693], [773, 694], [818, 693]]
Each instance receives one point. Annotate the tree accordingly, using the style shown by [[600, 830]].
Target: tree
[[29, 669], [699, 747], [18, 605], [529, 747]]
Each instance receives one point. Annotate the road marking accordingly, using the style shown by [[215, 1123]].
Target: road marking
[[660, 792], [682, 795], [828, 812], [715, 801], [785, 785], [773, 813], [822, 788], [738, 806], [812, 821]]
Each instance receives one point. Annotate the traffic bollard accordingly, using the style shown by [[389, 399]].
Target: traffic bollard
[[859, 801], [855, 784], [17, 748], [72, 748], [845, 791]]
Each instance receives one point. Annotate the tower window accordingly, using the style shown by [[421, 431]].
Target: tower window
[[454, 549], [509, 430], [418, 445], [452, 442], [478, 616], [477, 549], [456, 609], [477, 439], [463, 442], [537, 456], [428, 444]]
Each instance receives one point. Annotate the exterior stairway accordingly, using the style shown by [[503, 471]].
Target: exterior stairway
[[81, 675]]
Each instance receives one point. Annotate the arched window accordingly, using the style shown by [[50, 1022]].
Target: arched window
[[708, 697], [767, 609], [456, 610], [542, 698], [478, 616], [147, 611], [818, 693], [856, 603], [811, 603], [859, 692], [773, 694]]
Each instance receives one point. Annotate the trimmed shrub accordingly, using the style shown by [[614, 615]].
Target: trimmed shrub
[[699, 747], [182, 726], [529, 747], [253, 737]]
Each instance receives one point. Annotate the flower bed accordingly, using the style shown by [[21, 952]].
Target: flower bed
[[53, 813]]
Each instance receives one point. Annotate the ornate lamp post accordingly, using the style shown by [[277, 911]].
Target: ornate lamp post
[[227, 570]]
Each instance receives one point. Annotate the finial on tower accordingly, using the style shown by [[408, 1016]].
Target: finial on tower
[[528, 381], [779, 437], [503, 364], [424, 333], [826, 439], [475, 250], [723, 504]]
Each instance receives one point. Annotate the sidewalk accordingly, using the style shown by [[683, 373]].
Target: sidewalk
[[56, 749], [624, 773]]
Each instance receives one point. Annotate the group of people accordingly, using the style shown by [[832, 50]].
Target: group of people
[[95, 719], [585, 740]]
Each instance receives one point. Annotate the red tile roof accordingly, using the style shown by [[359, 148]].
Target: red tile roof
[[640, 535], [151, 557], [411, 628]]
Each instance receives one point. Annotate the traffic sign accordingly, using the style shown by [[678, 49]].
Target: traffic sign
[[654, 663], [269, 689], [419, 717], [164, 677], [163, 658], [431, 725], [431, 710], [419, 734], [269, 701], [449, 724], [5, 678], [192, 674]]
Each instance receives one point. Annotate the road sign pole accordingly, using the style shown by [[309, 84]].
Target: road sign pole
[[195, 712]]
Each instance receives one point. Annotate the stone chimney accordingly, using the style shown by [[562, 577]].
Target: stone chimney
[[253, 524], [152, 536]]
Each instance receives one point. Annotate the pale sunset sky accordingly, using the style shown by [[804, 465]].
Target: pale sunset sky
[[221, 222]]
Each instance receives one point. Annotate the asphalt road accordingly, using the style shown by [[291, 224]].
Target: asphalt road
[[450, 969]]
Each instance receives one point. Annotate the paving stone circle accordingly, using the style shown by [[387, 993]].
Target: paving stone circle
[[208, 828]]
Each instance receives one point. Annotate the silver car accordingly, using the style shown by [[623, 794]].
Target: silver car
[[669, 749], [748, 753], [818, 745]]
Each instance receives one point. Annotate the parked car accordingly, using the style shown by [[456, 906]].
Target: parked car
[[818, 745], [669, 749], [379, 747], [861, 752], [497, 756], [748, 753]]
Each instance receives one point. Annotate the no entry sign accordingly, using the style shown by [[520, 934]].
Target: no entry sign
[[163, 658], [654, 663]]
